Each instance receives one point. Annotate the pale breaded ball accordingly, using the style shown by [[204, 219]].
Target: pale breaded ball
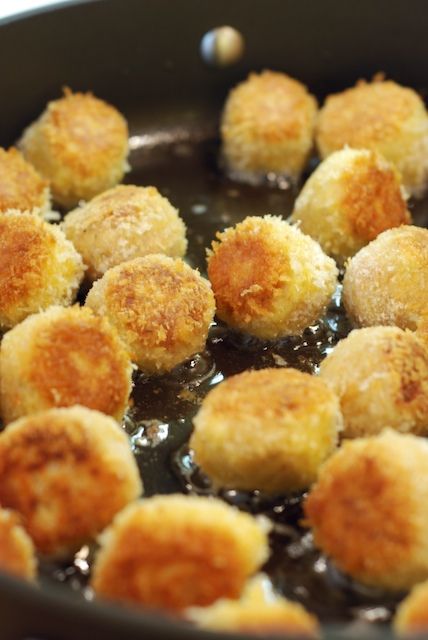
[[381, 377], [259, 611], [161, 308], [79, 144], [269, 279], [369, 509], [172, 552], [385, 117], [39, 267], [267, 126], [386, 282], [269, 430], [63, 357], [350, 199], [123, 223], [21, 187], [67, 472], [411, 617], [17, 554]]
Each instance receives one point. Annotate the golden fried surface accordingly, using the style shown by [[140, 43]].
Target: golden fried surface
[[161, 308], [386, 283], [259, 611], [63, 357], [268, 278], [185, 551], [123, 223], [269, 430], [388, 387], [412, 614], [21, 187], [350, 199], [369, 512], [38, 267], [17, 554], [267, 126], [382, 116], [67, 472], [79, 144]]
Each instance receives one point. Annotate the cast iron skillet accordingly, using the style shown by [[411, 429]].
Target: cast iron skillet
[[143, 56]]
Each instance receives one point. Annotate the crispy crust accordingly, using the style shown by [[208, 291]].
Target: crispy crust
[[17, 555], [412, 614], [21, 187], [67, 472], [186, 551]]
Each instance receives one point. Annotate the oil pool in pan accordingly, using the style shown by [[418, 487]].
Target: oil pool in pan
[[159, 420]]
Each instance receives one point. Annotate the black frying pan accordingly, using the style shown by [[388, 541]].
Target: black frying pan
[[143, 56]]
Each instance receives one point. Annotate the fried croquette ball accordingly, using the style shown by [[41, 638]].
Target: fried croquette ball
[[269, 279], [259, 611], [63, 357], [267, 126], [79, 144], [161, 308], [39, 267], [123, 223], [386, 282], [349, 199], [21, 187], [387, 387], [369, 509], [269, 430], [382, 116], [67, 472], [17, 554], [185, 551], [411, 617]]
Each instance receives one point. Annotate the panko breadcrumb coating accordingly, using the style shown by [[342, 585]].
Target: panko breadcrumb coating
[[387, 386], [369, 509], [63, 357], [67, 472], [386, 283], [349, 199], [268, 126], [269, 279], [17, 555], [161, 308], [411, 617], [79, 144], [21, 187], [39, 267], [123, 223], [385, 117], [269, 430], [173, 552], [259, 611]]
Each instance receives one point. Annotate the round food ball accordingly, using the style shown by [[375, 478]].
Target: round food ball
[[67, 472], [387, 387], [79, 144], [385, 117], [369, 510], [412, 614], [267, 126], [39, 267], [21, 187], [123, 223], [185, 551], [349, 199], [63, 357], [269, 279], [17, 554], [387, 281], [259, 611], [161, 308], [269, 430]]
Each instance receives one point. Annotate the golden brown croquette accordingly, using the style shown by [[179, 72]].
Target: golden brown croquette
[[411, 617], [21, 187]]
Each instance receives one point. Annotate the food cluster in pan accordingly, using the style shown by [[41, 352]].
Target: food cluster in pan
[[352, 436]]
